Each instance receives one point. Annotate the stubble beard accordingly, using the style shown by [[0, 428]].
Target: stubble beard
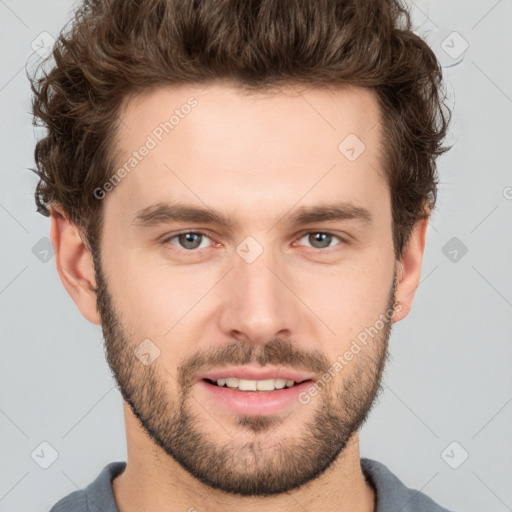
[[264, 461]]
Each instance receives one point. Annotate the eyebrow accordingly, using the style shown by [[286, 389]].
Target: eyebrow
[[161, 213]]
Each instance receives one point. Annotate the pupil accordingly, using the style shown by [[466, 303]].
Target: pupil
[[321, 237], [189, 240]]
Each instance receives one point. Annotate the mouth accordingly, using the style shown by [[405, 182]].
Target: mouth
[[261, 385], [253, 397], [254, 391]]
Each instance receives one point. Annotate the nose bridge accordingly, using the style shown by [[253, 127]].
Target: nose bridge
[[259, 305]]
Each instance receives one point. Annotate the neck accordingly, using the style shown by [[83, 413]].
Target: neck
[[154, 481]]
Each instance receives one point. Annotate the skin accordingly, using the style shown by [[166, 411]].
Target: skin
[[258, 158]]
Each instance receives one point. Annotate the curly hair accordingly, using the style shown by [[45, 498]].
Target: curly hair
[[116, 49]]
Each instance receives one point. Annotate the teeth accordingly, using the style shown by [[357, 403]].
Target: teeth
[[280, 383], [230, 382], [265, 385], [255, 385], [246, 385]]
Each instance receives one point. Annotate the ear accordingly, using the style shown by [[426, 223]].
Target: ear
[[409, 269], [74, 264]]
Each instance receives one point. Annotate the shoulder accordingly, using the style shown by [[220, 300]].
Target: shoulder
[[96, 497], [74, 502], [392, 494]]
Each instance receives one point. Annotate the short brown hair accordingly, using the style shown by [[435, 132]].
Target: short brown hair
[[116, 49]]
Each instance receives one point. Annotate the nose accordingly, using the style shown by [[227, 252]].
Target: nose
[[258, 301]]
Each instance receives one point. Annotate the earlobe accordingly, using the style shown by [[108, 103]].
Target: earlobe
[[409, 270], [74, 264]]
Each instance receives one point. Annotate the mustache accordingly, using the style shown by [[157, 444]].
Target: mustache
[[278, 351]]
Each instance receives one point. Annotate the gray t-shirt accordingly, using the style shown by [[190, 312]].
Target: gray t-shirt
[[391, 494]]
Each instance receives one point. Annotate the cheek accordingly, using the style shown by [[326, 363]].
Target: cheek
[[156, 294], [164, 304], [350, 297]]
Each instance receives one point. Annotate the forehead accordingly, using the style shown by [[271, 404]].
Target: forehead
[[222, 147]]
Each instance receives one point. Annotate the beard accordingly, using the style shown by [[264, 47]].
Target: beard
[[267, 462]]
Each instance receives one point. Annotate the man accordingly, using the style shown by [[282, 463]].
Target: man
[[239, 194]]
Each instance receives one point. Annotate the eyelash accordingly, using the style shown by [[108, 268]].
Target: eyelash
[[168, 239]]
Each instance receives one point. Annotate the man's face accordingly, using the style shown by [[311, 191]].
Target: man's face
[[269, 297]]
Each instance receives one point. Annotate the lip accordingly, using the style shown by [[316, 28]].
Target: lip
[[253, 373], [253, 403]]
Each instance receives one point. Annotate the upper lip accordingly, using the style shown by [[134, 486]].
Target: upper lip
[[254, 373]]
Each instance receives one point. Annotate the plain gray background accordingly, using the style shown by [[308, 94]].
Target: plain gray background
[[447, 389]]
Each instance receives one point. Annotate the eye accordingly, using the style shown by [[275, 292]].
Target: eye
[[194, 240], [188, 240], [320, 240]]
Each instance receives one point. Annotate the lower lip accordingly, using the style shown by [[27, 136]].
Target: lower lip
[[255, 403]]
